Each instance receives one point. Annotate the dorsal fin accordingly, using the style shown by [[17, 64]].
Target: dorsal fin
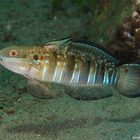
[[92, 44]]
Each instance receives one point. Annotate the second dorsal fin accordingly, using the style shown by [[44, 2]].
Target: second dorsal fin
[[83, 41]]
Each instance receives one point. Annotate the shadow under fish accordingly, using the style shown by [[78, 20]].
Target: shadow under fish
[[55, 128], [50, 129]]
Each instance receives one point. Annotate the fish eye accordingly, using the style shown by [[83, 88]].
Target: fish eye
[[13, 53]]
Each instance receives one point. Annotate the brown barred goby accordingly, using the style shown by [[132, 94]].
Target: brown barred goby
[[82, 69]]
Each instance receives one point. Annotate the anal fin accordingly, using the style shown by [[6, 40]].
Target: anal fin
[[95, 92]]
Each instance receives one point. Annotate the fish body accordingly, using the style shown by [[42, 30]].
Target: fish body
[[79, 63], [69, 62]]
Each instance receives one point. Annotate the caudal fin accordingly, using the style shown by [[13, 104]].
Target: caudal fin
[[129, 81]]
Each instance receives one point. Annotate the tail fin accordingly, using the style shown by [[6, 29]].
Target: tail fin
[[129, 81]]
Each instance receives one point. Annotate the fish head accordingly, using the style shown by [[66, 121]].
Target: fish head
[[15, 59]]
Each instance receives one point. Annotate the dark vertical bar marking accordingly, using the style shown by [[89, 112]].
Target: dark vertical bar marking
[[84, 72], [52, 66], [68, 70], [100, 74]]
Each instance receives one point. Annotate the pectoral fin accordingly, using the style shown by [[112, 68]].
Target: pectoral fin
[[45, 90]]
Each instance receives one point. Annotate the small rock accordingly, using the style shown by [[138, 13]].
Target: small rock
[[137, 1], [135, 14], [136, 23]]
